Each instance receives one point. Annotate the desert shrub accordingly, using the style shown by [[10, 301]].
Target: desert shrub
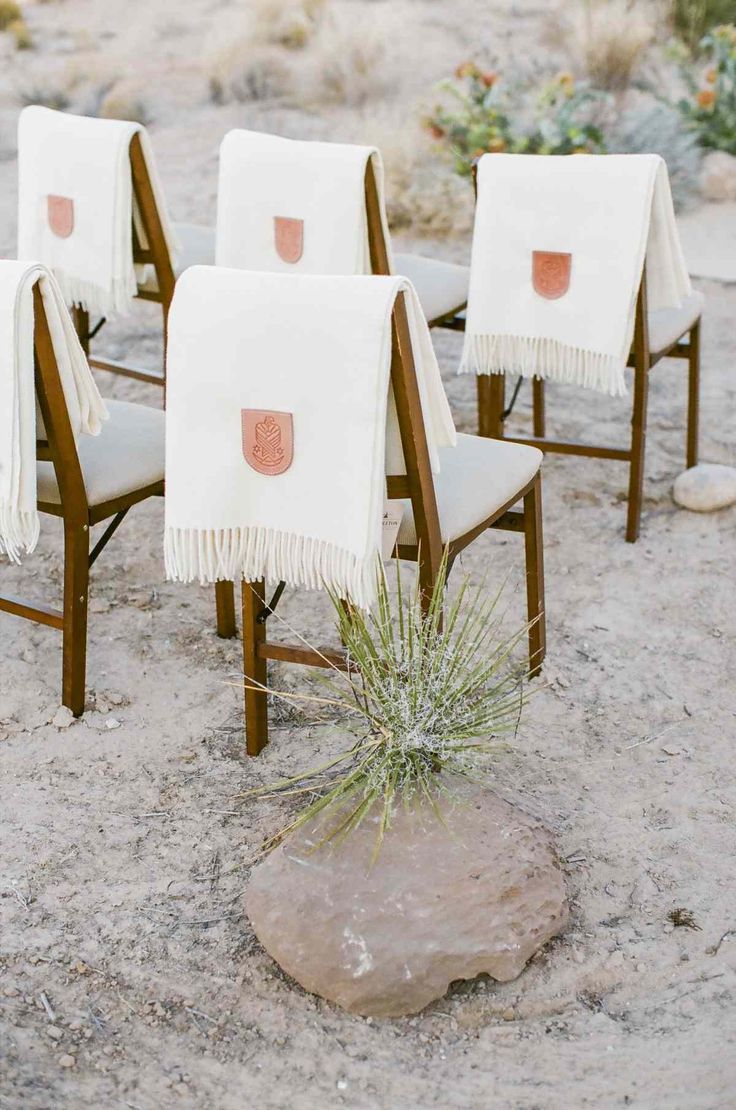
[[606, 39], [658, 130], [244, 72], [9, 13], [121, 102], [287, 23], [47, 92], [349, 59], [693, 19], [430, 695], [710, 108], [484, 113], [423, 195], [21, 32]]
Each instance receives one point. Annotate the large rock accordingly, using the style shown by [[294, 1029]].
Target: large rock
[[718, 176], [479, 893], [706, 487]]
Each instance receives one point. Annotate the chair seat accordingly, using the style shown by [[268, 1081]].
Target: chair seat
[[476, 479], [666, 325], [126, 456], [442, 287], [197, 245]]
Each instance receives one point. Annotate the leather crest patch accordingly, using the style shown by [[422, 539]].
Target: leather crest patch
[[551, 273], [60, 214], [268, 440], [289, 238]]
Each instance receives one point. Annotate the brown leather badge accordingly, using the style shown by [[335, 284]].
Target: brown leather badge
[[551, 273], [60, 214], [268, 440], [289, 238]]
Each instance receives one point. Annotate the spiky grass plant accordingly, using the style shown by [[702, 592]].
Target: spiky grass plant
[[425, 693]]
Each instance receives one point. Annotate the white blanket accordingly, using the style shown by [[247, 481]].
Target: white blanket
[[607, 212], [316, 348], [265, 177], [86, 162], [19, 524]]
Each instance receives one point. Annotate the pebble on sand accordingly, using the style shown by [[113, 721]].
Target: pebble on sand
[[66, 1061], [706, 487]]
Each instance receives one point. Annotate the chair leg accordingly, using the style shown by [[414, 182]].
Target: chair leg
[[638, 443], [534, 550], [538, 407], [225, 603], [491, 398], [80, 318], [255, 669], [76, 587], [693, 395]]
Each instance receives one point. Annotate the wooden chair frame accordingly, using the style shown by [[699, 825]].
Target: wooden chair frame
[[492, 409], [155, 254], [417, 485], [78, 516]]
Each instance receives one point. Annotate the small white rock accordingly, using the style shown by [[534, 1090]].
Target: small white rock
[[706, 487], [718, 176], [112, 722], [63, 717]]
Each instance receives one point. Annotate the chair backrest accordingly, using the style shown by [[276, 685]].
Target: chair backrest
[[59, 447], [417, 484], [155, 251]]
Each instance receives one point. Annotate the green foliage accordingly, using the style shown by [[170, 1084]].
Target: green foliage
[[485, 113], [430, 694], [9, 13], [695, 18], [710, 108]]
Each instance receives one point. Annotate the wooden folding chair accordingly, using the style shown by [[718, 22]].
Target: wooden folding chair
[[427, 276], [160, 287], [86, 483], [656, 336], [439, 515], [669, 343]]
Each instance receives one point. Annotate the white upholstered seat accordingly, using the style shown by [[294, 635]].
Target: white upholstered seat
[[127, 455], [666, 325], [442, 287], [476, 479]]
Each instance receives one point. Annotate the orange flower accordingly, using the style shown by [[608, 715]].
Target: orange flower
[[706, 98], [711, 76], [436, 131], [489, 79]]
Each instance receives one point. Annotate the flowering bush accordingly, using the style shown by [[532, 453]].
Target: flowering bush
[[485, 113], [710, 108]]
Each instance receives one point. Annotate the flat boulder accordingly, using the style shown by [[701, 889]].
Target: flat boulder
[[706, 487], [478, 892]]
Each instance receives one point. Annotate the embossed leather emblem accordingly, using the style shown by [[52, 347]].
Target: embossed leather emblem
[[60, 214], [551, 273], [268, 440], [289, 238]]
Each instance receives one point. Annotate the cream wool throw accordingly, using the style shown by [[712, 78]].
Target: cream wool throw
[[19, 525], [609, 212], [319, 349], [265, 177], [88, 162]]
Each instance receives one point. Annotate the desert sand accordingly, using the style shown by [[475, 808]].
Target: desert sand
[[129, 975]]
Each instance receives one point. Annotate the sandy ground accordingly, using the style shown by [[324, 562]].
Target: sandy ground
[[125, 849]]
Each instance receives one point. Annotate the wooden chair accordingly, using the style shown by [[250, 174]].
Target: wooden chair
[[664, 334], [476, 488], [85, 483], [158, 286], [669, 342], [439, 306]]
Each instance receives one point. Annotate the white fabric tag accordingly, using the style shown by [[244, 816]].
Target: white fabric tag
[[393, 514]]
